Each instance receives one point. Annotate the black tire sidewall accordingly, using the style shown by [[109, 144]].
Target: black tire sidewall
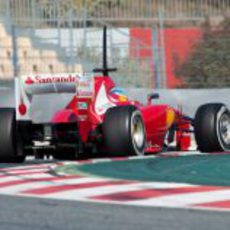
[[206, 124], [7, 133], [11, 145], [137, 150], [117, 131], [223, 110]]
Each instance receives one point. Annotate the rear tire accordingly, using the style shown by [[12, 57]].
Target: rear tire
[[212, 128], [124, 131], [11, 145]]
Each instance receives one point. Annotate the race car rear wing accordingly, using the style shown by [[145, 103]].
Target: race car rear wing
[[29, 85]]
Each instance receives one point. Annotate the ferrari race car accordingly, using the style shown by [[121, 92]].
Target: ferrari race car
[[101, 118]]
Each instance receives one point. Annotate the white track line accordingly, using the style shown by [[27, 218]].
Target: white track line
[[184, 200], [27, 167], [85, 193], [20, 188], [8, 178]]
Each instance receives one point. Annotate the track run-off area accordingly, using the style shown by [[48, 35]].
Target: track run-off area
[[189, 180]]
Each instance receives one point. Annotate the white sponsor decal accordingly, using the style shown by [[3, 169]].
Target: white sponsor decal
[[46, 83], [102, 101], [85, 86], [47, 79]]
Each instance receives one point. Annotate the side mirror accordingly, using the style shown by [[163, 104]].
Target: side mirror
[[153, 96]]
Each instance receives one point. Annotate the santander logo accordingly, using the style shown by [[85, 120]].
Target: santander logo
[[37, 79], [29, 81]]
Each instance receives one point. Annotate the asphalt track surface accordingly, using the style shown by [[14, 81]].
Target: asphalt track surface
[[19, 213], [22, 213]]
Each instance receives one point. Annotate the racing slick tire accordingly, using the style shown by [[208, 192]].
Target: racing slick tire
[[212, 128], [124, 131], [11, 148]]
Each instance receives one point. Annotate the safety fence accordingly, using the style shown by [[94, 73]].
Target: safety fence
[[50, 36], [144, 10], [55, 13], [81, 50]]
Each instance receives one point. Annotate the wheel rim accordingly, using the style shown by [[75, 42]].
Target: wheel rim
[[224, 129], [138, 134]]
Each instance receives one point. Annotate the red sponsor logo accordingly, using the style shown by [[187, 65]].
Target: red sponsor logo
[[29, 81], [52, 79], [22, 109]]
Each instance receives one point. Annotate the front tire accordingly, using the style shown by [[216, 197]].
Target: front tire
[[212, 128], [124, 131]]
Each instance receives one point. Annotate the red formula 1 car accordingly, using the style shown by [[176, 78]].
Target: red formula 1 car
[[101, 118]]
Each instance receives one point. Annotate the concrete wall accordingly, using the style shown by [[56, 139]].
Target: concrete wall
[[190, 99], [44, 106]]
